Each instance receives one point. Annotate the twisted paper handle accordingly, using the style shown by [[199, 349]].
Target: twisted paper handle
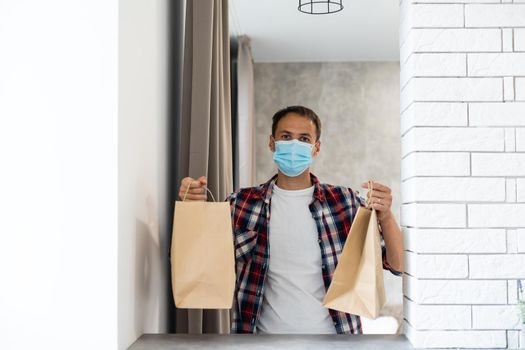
[[187, 189], [369, 199]]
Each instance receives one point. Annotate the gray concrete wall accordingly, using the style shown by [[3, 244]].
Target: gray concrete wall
[[358, 103]]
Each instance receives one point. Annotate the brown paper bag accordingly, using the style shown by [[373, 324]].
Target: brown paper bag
[[357, 285], [202, 255]]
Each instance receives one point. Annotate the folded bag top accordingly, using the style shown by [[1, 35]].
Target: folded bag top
[[202, 255]]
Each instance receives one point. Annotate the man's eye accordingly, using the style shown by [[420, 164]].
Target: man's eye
[[284, 136], [305, 139]]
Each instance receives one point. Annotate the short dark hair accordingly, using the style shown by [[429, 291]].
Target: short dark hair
[[301, 110]]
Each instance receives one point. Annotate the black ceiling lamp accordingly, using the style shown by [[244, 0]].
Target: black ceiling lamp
[[320, 7]]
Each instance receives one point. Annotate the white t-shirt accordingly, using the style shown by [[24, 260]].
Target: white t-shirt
[[294, 288]]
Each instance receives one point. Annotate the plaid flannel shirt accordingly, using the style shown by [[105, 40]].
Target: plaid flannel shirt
[[333, 209]]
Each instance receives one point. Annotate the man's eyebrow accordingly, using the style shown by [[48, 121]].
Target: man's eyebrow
[[289, 132]]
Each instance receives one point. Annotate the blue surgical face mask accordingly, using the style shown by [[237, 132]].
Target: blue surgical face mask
[[292, 156]]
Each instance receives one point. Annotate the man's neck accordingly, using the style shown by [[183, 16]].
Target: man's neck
[[294, 183]]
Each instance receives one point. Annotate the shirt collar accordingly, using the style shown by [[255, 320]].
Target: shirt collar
[[266, 189]]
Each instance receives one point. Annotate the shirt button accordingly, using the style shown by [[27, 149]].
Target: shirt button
[[253, 320], [323, 266], [319, 240], [258, 292], [335, 323], [264, 266]]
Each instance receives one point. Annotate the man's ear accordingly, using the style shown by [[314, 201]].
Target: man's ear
[[271, 143], [317, 148]]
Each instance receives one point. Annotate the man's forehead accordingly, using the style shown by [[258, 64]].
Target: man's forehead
[[296, 124]]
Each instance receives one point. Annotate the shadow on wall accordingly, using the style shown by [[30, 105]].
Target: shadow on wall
[[148, 273]]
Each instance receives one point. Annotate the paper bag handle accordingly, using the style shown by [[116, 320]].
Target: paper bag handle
[[187, 189], [368, 200]]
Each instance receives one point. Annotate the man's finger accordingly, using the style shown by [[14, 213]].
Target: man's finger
[[193, 197], [379, 206], [380, 187], [376, 186], [193, 190], [191, 182], [203, 180], [384, 203], [377, 194], [198, 197], [184, 190]]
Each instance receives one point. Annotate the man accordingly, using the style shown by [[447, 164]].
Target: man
[[285, 264]]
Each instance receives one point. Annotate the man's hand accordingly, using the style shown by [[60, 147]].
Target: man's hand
[[196, 191], [380, 199]]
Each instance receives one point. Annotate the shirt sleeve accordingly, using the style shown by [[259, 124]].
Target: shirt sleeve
[[386, 266], [361, 200]]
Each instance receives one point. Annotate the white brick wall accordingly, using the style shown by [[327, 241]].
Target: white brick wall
[[520, 190], [434, 114], [457, 241], [436, 164], [519, 39], [433, 215], [457, 338], [436, 266], [495, 16], [519, 89], [495, 317], [520, 238], [453, 139], [453, 291], [496, 64], [463, 170], [496, 215], [419, 189], [520, 139], [498, 164], [497, 266], [497, 114], [438, 316]]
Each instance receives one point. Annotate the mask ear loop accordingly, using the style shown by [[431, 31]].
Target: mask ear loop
[[187, 189]]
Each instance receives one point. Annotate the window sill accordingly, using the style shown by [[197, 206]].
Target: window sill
[[281, 341]]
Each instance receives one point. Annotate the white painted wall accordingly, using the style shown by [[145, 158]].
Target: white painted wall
[[83, 110], [58, 177], [463, 170], [142, 168]]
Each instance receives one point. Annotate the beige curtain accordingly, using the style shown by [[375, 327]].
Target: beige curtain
[[206, 124], [246, 120]]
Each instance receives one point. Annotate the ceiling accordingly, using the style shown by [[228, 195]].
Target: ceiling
[[365, 30]]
